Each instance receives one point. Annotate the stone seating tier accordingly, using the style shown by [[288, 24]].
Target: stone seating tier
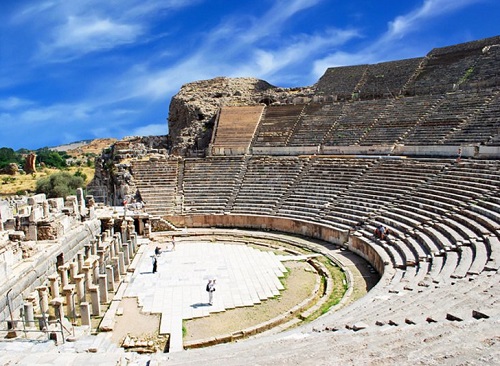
[[340, 81], [277, 124], [236, 125], [387, 79], [416, 120], [437, 210]]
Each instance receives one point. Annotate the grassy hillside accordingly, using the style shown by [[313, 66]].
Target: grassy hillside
[[11, 185]]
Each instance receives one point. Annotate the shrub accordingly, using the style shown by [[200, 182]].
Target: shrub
[[60, 184]]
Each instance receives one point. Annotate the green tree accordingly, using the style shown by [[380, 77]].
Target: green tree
[[7, 156], [52, 158], [60, 184]]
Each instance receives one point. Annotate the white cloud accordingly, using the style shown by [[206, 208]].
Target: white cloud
[[390, 42], [12, 103], [404, 24], [79, 36], [151, 130], [271, 22], [302, 50], [66, 30]]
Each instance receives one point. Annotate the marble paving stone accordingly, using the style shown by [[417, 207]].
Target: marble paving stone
[[245, 277]]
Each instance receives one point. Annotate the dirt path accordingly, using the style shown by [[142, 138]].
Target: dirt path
[[134, 323]]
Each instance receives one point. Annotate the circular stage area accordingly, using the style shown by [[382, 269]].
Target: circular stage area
[[245, 275]]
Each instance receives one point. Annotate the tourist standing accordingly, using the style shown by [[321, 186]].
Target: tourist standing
[[210, 289], [173, 243], [155, 263]]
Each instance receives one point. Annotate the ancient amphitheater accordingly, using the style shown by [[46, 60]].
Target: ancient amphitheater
[[412, 145]]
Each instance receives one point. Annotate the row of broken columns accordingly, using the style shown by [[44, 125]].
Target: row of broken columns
[[80, 287]]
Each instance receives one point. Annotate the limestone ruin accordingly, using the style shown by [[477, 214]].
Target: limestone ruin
[[320, 168]]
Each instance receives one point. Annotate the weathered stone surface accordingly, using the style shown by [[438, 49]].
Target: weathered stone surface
[[29, 163], [11, 169], [193, 109]]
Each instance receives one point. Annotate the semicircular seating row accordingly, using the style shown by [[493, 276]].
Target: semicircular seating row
[[444, 218]]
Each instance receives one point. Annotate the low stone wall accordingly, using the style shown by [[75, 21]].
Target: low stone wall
[[324, 150], [264, 223], [228, 150], [443, 151], [489, 152], [378, 258]]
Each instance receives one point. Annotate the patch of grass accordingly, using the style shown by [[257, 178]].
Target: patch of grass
[[184, 329], [285, 276], [339, 288]]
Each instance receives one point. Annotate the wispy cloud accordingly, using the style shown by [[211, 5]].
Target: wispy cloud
[[391, 41], [79, 36], [69, 30], [234, 50], [150, 130], [13, 103], [412, 21]]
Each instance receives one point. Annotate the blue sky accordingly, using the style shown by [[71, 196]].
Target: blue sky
[[83, 69]]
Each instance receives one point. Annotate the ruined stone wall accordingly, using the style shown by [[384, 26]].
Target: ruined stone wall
[[20, 281], [193, 109]]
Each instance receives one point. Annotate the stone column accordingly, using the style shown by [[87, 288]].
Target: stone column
[[80, 288], [80, 261], [126, 254], [57, 304], [117, 243], [95, 272], [29, 315], [102, 267], [80, 200], [121, 263], [103, 288], [64, 275], [93, 246], [116, 269], [87, 249], [98, 243], [110, 225], [46, 209], [73, 270], [133, 240], [130, 248], [54, 285], [69, 290], [112, 252], [110, 278], [123, 228], [88, 276], [44, 299], [141, 226], [130, 229], [85, 313], [95, 300]]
